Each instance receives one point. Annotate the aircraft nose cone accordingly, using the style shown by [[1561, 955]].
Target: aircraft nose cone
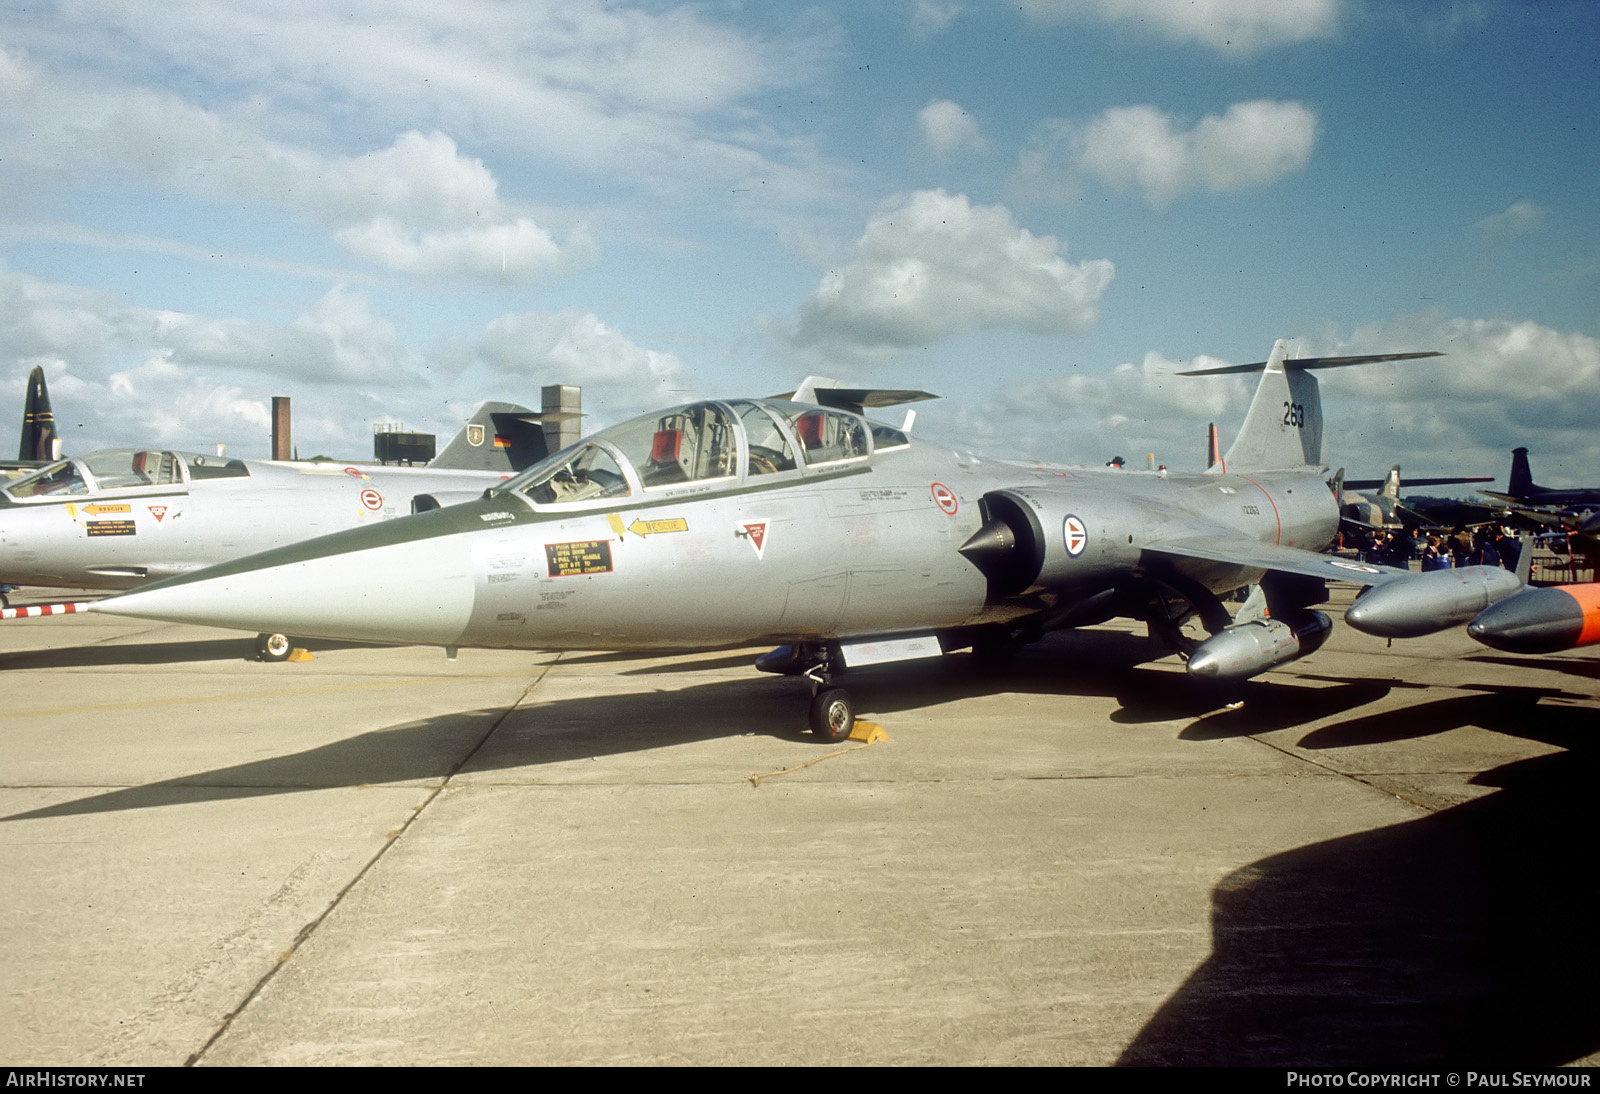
[[414, 592]]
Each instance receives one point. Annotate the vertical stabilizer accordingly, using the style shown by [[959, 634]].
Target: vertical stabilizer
[[1283, 427], [1391, 484], [1520, 485], [500, 437], [1282, 430], [39, 442]]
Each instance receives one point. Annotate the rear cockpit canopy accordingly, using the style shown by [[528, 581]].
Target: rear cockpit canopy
[[707, 446], [120, 471]]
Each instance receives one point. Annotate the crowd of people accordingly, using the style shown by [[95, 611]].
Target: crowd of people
[[1487, 545]]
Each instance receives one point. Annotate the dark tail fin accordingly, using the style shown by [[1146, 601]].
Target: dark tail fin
[[1521, 482], [39, 440], [499, 437]]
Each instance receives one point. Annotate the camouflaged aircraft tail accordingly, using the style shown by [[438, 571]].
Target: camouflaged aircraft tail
[[501, 437]]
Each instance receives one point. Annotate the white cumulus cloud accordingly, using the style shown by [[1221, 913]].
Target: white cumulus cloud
[[1146, 150], [947, 128], [574, 346], [1243, 26], [933, 264], [1518, 219]]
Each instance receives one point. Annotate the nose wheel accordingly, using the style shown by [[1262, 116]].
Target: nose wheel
[[833, 715], [273, 647]]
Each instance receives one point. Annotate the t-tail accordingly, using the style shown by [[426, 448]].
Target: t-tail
[[1282, 430]]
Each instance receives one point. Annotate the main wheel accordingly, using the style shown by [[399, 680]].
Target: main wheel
[[832, 714], [273, 647]]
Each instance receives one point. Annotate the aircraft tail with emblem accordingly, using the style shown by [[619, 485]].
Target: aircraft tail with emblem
[[1282, 430], [501, 437]]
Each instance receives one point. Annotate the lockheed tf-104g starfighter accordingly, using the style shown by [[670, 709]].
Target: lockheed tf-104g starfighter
[[120, 518], [802, 523]]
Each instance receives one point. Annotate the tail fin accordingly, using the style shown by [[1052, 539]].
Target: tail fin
[[1213, 449], [499, 437], [1283, 428], [1521, 483], [1391, 484], [39, 441]]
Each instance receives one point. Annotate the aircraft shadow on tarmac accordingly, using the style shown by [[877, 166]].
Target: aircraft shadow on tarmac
[[1465, 935], [543, 733], [1587, 667], [111, 655], [1463, 938]]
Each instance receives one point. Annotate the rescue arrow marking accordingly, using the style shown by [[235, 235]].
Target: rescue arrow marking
[[656, 527]]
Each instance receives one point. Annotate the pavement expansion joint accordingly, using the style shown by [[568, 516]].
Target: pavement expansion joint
[[391, 838]]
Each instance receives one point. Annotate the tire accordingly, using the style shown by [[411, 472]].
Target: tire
[[832, 714], [273, 647]]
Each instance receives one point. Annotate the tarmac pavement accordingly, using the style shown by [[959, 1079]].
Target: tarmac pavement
[[382, 857]]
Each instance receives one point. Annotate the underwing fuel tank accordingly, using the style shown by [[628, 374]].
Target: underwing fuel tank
[[1541, 620], [1245, 649], [1409, 607]]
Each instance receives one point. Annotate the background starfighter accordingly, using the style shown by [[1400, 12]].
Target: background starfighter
[[119, 518], [798, 521]]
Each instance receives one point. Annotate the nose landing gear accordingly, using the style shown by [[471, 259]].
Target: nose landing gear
[[832, 713], [273, 647]]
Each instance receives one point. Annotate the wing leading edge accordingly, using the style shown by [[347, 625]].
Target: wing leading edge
[[1397, 604]]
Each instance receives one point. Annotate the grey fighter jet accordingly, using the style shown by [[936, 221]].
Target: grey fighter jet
[[802, 523], [119, 518]]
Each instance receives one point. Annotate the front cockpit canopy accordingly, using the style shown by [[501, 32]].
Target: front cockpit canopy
[[121, 471], [706, 444]]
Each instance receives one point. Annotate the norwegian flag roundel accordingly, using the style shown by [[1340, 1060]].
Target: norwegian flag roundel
[[1076, 536]]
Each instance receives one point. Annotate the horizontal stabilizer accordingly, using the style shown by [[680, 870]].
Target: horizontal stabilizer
[[1313, 362], [1373, 484], [826, 392]]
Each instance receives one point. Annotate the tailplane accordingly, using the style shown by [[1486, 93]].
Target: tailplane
[[1282, 430]]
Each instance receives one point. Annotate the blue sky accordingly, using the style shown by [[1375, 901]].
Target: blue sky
[[390, 210]]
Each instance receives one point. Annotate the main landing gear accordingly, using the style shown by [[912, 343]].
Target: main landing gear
[[832, 714]]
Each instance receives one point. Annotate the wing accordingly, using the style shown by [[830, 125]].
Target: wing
[[1238, 551], [1401, 604]]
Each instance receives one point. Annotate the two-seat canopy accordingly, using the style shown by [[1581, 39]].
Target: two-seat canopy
[[118, 472], [706, 445]]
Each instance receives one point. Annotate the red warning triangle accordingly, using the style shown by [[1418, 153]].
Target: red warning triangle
[[756, 532]]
